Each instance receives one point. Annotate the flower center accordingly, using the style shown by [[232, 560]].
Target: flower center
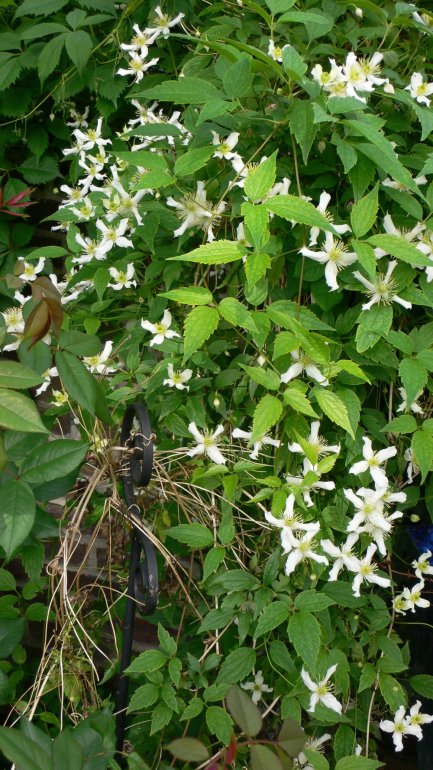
[[160, 328]]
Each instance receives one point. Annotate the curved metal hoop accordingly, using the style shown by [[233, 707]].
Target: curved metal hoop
[[137, 437]]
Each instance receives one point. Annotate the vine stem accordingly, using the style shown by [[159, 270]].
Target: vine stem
[[376, 680], [298, 185]]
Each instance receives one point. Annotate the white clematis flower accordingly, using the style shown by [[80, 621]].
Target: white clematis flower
[[422, 565], [224, 148], [367, 572], [30, 270], [343, 555], [97, 364], [316, 443], [290, 523], [399, 727], [384, 289], [177, 379], [161, 330], [413, 407], [300, 549], [163, 23], [114, 236], [334, 256], [122, 279], [258, 687], [420, 90], [263, 441], [196, 211], [412, 597], [207, 444], [137, 67], [322, 206], [372, 462], [303, 363], [322, 691], [416, 719]]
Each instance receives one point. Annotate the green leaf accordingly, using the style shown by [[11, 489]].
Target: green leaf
[[161, 717], [150, 161], [316, 22], [236, 580], [291, 737], [294, 64], [48, 252], [261, 178], [284, 312], [215, 253], [272, 617], [7, 580], [15, 375], [302, 119], [357, 763], [219, 723], [266, 377], [263, 758], [9, 72], [368, 675], [77, 381], [190, 295], [267, 412], [299, 402], [256, 219], [312, 601], [147, 662], [244, 712], [405, 423], [183, 91], [334, 408], [11, 633], [188, 750], [23, 751], [213, 559], [168, 644], [423, 685], [66, 751], [297, 210], [422, 450], [413, 376], [400, 248], [79, 343], [193, 709], [192, 160], [392, 691], [195, 535], [79, 46], [364, 213], [316, 760], [304, 634], [17, 514], [237, 665], [236, 313], [49, 57], [256, 266], [373, 323], [17, 412], [200, 324], [40, 170], [52, 460], [238, 78], [351, 368], [216, 619], [42, 8]]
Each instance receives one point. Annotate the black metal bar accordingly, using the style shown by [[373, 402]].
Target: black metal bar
[[137, 437]]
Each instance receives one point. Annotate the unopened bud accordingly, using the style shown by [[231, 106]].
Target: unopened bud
[[414, 518], [261, 360], [321, 146], [216, 402], [359, 13]]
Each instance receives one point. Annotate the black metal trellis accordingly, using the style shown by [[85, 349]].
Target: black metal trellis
[[137, 436]]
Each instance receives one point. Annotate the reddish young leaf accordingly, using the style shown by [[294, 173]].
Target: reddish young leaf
[[38, 323]]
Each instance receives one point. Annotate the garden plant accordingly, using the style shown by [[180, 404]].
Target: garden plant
[[221, 210]]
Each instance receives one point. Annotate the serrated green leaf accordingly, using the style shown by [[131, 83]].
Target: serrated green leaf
[[49, 57], [237, 314], [79, 46], [193, 709], [357, 763], [423, 685], [297, 210], [266, 377], [23, 751], [161, 717], [238, 78], [190, 295], [405, 423], [39, 8], [213, 559], [351, 368], [256, 218], [422, 451], [299, 402], [256, 266], [400, 248], [200, 324], [272, 617], [147, 662], [304, 634], [414, 378], [263, 758], [144, 697], [364, 213], [215, 253], [40, 170], [219, 723], [334, 408], [192, 160], [368, 675], [373, 324], [312, 601], [392, 692], [183, 91], [195, 535], [77, 381], [260, 178], [237, 665], [267, 412]]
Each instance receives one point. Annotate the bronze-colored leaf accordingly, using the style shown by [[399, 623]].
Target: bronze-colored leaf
[[56, 313], [44, 287], [38, 323]]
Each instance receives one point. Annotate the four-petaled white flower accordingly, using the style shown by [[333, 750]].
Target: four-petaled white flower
[[299, 549], [122, 279], [412, 597], [47, 380], [334, 256], [263, 441], [97, 364], [161, 330], [384, 288], [416, 719], [140, 42], [224, 148], [196, 210], [372, 462], [30, 270], [366, 571], [399, 727], [163, 23], [419, 89], [114, 236], [303, 363], [207, 444], [14, 320], [275, 51], [290, 523], [258, 687], [177, 379], [343, 555], [322, 691], [422, 565], [414, 406], [137, 67]]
